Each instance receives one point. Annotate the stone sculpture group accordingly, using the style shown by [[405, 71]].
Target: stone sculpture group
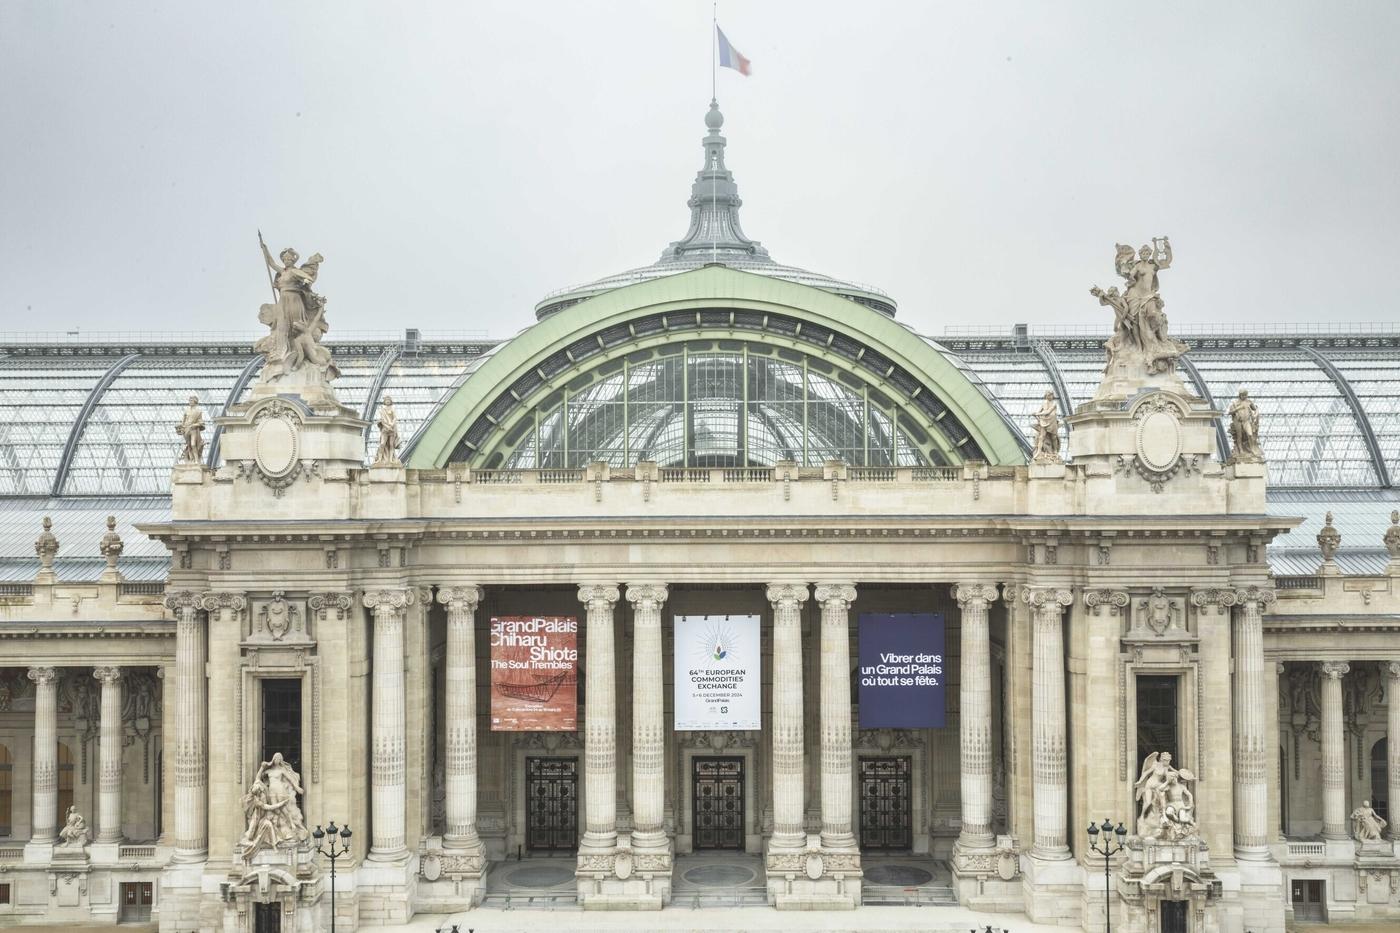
[[1139, 321], [1167, 808], [270, 808], [296, 320], [74, 832]]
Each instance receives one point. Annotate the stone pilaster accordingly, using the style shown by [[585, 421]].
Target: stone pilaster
[[600, 721], [191, 735], [1334, 764], [45, 790], [835, 600], [648, 719], [1049, 763], [1392, 744], [460, 771], [1251, 752], [975, 715], [788, 750], [109, 756], [388, 793]]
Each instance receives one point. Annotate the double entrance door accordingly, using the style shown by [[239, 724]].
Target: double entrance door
[[886, 803], [717, 786], [551, 804]]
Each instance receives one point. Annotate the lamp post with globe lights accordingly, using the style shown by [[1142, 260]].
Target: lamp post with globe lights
[[336, 844], [1108, 847]]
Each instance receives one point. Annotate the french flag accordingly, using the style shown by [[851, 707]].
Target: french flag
[[729, 56]]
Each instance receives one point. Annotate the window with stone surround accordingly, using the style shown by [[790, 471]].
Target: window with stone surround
[[65, 782], [1157, 710], [7, 777]]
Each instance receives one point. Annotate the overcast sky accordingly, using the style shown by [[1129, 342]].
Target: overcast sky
[[454, 162]]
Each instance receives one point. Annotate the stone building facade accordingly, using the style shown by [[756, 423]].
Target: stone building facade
[[715, 434]]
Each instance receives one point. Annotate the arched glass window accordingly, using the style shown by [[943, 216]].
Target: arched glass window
[[745, 406], [65, 781], [7, 777]]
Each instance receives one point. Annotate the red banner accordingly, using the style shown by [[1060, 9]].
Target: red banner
[[534, 673]]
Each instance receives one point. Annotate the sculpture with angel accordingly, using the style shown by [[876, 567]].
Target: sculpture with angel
[[1167, 807]]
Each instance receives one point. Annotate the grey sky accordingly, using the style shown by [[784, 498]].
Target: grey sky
[[454, 162]]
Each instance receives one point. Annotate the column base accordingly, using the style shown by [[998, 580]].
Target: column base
[[1052, 889], [386, 890], [812, 878], [182, 898], [626, 878], [988, 877], [451, 875]]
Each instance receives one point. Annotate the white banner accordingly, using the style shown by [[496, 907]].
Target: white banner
[[717, 663]]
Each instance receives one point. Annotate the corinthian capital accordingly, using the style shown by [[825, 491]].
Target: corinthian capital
[[463, 598], [182, 601], [1047, 597], [965, 593], [647, 595], [1113, 600], [388, 600], [598, 595], [789, 595], [1260, 596], [213, 602], [1219, 599], [107, 675], [1335, 670], [833, 593], [324, 603]]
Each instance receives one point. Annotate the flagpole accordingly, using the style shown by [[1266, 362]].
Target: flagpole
[[714, 72]]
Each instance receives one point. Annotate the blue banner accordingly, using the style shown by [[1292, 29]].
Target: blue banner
[[901, 671]]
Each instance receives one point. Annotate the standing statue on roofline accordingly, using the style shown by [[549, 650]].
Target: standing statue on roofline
[[1244, 430], [296, 319], [1139, 321], [1047, 431]]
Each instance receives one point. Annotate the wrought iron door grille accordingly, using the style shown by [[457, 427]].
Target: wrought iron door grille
[[718, 787], [551, 814], [886, 810]]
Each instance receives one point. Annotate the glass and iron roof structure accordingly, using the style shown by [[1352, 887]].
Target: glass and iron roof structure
[[87, 422]]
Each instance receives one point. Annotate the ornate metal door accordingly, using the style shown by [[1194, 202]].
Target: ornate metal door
[[1174, 916], [886, 809], [551, 804], [267, 918], [718, 788]]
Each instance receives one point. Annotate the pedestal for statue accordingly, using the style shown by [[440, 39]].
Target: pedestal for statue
[[1165, 876]]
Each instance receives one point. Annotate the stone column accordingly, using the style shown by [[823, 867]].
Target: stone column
[[648, 717], [789, 831], [1392, 745], [388, 793], [1049, 763], [835, 600], [1334, 763], [109, 757], [600, 721], [460, 774], [191, 742], [1251, 751], [44, 826], [975, 714]]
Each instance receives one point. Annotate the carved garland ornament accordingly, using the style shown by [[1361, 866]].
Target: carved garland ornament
[[276, 449]]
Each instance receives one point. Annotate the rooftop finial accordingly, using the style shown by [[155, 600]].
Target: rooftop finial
[[714, 119], [714, 206]]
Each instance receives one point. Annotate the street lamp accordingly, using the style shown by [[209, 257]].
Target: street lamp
[[1108, 850], [330, 851]]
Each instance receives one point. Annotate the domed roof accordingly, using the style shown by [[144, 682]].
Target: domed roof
[[715, 236]]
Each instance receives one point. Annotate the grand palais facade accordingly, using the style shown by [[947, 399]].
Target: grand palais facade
[[717, 584]]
